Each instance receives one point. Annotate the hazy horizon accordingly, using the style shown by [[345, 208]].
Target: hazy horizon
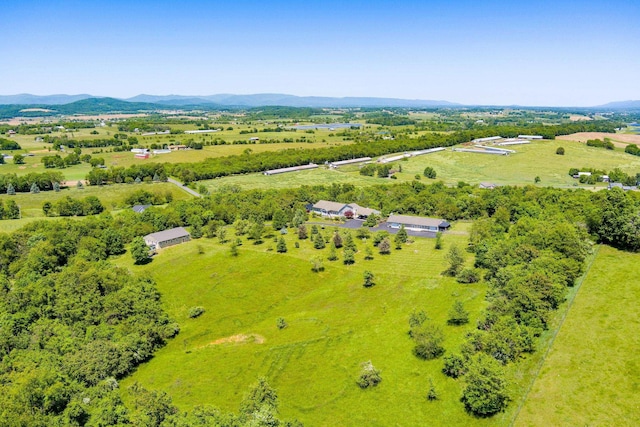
[[563, 53]]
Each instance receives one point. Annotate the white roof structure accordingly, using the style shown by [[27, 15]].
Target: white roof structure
[[394, 158], [201, 131], [291, 169], [488, 139], [417, 220], [530, 136], [350, 161]]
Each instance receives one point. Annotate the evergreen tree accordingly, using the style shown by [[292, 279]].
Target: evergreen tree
[[333, 255], [456, 261], [458, 315], [56, 187], [10, 190], [348, 257], [282, 245], [349, 243], [318, 241]]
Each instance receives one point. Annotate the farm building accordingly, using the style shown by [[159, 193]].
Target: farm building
[[178, 147], [200, 131], [139, 150], [140, 208], [487, 185], [514, 142], [141, 155], [349, 162], [530, 136], [336, 209], [502, 150], [394, 158], [428, 151], [165, 238], [291, 169], [468, 150], [416, 223], [488, 139]]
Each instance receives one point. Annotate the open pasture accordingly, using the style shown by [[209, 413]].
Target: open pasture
[[334, 324], [591, 375], [521, 168]]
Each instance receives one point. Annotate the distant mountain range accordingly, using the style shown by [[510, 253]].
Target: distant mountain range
[[229, 100], [622, 105], [82, 102]]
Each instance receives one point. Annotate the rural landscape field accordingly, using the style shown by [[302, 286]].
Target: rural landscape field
[[292, 214]]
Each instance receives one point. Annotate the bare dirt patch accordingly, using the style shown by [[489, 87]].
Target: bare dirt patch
[[239, 339], [618, 139]]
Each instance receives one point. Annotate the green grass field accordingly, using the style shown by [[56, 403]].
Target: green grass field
[[521, 168], [334, 325], [112, 197], [591, 375]]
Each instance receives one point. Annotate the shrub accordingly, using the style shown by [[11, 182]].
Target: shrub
[[369, 376], [429, 172], [281, 323], [428, 338], [468, 275], [458, 315], [196, 311], [368, 279], [454, 366], [560, 151]]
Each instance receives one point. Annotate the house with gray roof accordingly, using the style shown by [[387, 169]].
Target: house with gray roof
[[417, 223], [336, 209], [165, 238]]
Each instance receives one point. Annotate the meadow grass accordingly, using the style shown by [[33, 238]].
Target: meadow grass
[[521, 168], [335, 324], [112, 197], [591, 375]]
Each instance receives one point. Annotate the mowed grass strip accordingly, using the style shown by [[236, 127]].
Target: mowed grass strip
[[591, 375], [334, 324]]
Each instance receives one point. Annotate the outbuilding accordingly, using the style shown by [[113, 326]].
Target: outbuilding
[[417, 223], [165, 238]]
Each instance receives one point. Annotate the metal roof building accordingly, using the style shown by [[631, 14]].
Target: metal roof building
[[291, 169], [165, 238]]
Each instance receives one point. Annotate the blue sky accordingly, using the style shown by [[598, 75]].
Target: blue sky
[[553, 53]]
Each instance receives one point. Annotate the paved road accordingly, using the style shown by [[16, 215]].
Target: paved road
[[185, 188]]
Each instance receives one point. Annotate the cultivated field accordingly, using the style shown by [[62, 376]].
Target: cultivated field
[[591, 375], [618, 139]]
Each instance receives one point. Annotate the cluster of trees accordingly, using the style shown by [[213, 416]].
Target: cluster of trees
[[7, 144], [632, 149], [600, 143], [69, 206], [9, 209], [147, 172], [381, 170], [144, 197], [388, 119], [12, 183], [70, 324], [616, 175], [119, 144]]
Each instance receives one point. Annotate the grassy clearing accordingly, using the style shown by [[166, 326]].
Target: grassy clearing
[[112, 197], [334, 325], [591, 375]]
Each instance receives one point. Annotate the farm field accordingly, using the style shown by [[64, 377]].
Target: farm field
[[591, 375], [521, 168], [618, 139], [334, 325]]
